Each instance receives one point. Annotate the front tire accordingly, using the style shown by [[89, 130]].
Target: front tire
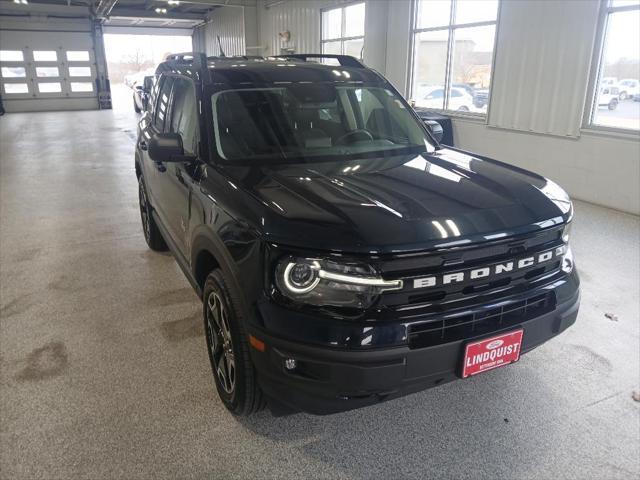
[[152, 234], [228, 348], [135, 105], [612, 104]]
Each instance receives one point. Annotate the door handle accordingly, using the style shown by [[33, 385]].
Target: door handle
[[143, 145]]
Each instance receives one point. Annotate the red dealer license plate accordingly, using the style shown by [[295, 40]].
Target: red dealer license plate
[[491, 353]]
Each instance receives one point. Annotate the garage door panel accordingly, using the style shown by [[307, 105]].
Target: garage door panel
[[47, 70]]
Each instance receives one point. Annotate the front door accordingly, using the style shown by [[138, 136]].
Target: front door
[[175, 179]]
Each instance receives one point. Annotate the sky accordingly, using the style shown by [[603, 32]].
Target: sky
[[153, 47], [623, 36]]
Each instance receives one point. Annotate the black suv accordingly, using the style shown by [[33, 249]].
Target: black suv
[[342, 255]]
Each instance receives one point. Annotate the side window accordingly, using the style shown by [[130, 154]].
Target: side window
[[162, 104], [184, 117], [153, 98]]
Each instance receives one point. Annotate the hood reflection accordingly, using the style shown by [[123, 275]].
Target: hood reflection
[[402, 202]]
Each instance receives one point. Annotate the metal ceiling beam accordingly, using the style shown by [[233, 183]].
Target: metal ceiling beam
[[104, 7], [141, 13], [42, 8], [222, 3]]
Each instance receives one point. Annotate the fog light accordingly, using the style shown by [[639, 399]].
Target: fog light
[[567, 261], [290, 364]]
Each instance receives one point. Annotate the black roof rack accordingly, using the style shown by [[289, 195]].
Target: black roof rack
[[343, 60], [236, 57], [197, 59]]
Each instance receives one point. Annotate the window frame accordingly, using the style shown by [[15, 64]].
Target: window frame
[[591, 107], [155, 120], [192, 86], [450, 28], [342, 39]]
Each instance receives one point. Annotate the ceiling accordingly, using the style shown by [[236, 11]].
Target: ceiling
[[178, 9], [129, 13]]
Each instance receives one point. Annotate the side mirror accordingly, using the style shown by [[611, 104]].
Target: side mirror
[[435, 129], [139, 87], [167, 147]]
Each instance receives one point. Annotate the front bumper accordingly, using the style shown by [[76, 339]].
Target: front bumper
[[328, 380]]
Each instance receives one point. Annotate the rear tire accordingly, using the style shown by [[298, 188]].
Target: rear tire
[[623, 95], [228, 348], [613, 104], [150, 229]]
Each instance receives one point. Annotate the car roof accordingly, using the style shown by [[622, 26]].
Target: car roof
[[280, 72], [277, 70]]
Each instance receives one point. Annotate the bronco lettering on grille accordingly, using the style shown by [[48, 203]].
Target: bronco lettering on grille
[[489, 271]]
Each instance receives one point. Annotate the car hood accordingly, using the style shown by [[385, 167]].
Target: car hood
[[443, 199]]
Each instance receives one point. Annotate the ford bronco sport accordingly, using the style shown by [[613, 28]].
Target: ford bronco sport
[[343, 256]]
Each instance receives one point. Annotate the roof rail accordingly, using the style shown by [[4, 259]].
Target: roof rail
[[197, 59], [236, 57], [343, 60]]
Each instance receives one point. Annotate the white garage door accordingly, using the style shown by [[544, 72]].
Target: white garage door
[[47, 71]]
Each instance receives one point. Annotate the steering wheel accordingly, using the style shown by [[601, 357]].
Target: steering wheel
[[353, 136]]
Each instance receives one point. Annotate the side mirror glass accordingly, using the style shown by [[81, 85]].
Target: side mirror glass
[[435, 129], [167, 147]]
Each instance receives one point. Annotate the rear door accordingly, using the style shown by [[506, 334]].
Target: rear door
[[150, 125]]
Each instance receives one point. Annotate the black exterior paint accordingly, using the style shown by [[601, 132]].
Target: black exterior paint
[[248, 216]]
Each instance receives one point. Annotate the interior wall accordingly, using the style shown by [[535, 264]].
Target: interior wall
[[541, 74], [229, 24], [302, 19]]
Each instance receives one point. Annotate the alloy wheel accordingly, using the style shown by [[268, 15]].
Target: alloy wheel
[[144, 212], [220, 344]]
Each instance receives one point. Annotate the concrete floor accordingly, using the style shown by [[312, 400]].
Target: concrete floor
[[104, 372]]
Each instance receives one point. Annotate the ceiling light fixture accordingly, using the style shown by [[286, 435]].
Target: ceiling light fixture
[[173, 2], [161, 10]]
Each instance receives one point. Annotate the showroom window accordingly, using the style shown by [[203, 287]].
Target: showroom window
[[616, 92], [343, 30], [453, 46]]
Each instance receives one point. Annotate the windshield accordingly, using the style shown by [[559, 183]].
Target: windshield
[[304, 122]]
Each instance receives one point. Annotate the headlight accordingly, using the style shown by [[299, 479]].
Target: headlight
[[326, 282]]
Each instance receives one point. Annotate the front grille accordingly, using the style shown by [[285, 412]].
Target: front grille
[[465, 325], [411, 301]]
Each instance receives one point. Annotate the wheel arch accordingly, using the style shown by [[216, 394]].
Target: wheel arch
[[208, 253], [138, 166]]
